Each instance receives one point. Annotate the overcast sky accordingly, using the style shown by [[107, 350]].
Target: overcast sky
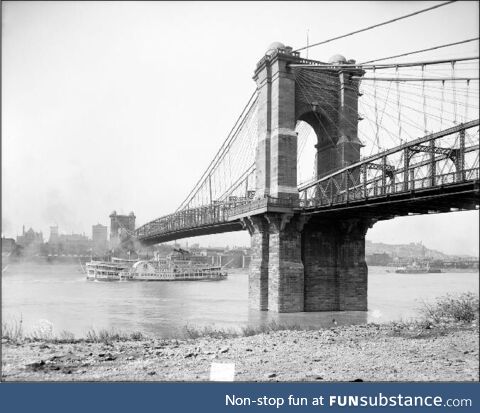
[[121, 106]]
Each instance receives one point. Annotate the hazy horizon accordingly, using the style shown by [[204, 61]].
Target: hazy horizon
[[188, 242]]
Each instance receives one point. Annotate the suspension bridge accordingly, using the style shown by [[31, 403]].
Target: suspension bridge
[[391, 139]]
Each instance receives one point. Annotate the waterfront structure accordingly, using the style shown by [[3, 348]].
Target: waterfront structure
[[29, 238], [308, 239], [75, 244], [53, 239], [8, 246], [99, 239], [67, 244]]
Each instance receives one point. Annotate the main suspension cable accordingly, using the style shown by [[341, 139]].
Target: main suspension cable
[[421, 51], [376, 25]]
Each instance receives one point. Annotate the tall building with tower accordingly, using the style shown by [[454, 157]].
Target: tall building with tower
[[53, 235], [121, 227], [29, 238], [99, 238]]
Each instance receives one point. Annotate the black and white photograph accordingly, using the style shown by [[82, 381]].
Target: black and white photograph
[[271, 191]]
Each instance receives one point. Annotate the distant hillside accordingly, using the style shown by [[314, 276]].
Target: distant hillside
[[413, 250]]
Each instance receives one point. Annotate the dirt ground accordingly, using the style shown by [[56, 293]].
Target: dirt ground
[[355, 353]]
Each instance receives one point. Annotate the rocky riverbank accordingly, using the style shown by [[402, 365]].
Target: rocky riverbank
[[371, 352]]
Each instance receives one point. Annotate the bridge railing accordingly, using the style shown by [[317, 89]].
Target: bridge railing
[[217, 213], [264, 204], [248, 206], [190, 218], [374, 190]]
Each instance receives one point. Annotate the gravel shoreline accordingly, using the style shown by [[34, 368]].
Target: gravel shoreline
[[370, 352]]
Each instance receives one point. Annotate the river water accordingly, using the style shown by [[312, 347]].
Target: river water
[[62, 295]]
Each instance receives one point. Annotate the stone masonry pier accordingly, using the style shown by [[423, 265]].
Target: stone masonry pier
[[307, 265]]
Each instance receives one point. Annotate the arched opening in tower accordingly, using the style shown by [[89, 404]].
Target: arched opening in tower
[[306, 152]]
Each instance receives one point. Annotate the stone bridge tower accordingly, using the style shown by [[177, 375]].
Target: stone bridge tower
[[301, 262]]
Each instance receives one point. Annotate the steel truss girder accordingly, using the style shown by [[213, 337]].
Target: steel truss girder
[[372, 165], [370, 159], [434, 149]]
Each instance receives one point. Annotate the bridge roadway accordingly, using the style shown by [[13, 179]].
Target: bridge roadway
[[227, 217], [342, 193]]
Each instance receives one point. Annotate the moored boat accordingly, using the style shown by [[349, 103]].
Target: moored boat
[[417, 269], [152, 271], [160, 269], [106, 271]]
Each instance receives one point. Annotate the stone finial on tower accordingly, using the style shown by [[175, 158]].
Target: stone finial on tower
[[276, 47], [337, 59]]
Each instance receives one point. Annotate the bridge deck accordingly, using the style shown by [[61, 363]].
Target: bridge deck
[[442, 198]]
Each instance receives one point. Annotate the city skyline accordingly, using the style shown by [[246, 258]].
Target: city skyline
[[194, 242]]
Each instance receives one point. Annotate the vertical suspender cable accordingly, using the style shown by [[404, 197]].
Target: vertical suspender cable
[[424, 102], [441, 104], [399, 108], [376, 107], [466, 102], [454, 95]]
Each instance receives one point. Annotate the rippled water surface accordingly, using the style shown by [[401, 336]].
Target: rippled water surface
[[62, 295]]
